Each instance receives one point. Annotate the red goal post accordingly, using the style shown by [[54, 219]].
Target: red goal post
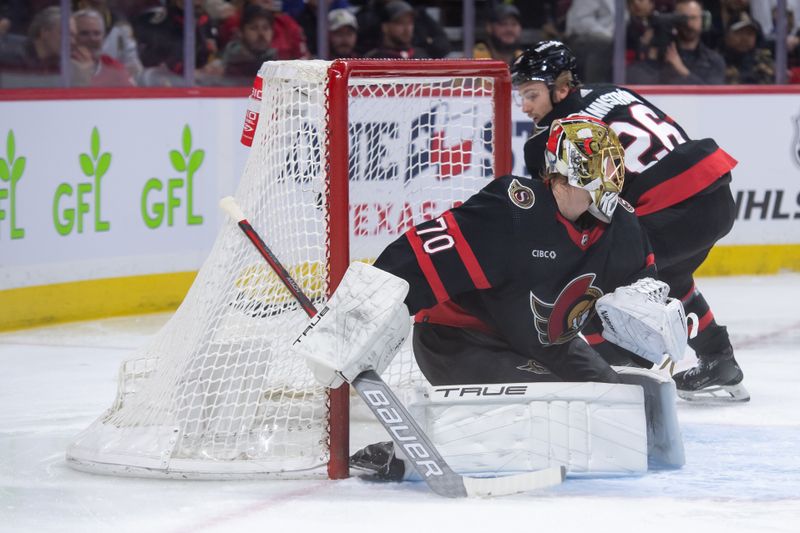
[[339, 89]]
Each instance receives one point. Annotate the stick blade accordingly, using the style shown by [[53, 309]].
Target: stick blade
[[506, 485]]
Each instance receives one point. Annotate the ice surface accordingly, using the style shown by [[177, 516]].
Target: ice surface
[[742, 472]]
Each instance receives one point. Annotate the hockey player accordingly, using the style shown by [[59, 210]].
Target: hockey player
[[502, 284], [678, 186]]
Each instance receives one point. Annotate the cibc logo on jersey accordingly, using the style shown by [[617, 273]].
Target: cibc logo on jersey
[[560, 321], [544, 254]]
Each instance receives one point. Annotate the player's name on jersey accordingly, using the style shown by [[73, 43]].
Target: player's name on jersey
[[606, 102]]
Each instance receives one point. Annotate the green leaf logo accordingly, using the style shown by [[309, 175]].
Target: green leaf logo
[[17, 166], [11, 170], [102, 164], [95, 143], [96, 165], [17, 169], [177, 160], [188, 162], [187, 140], [6, 164], [11, 145], [196, 160], [87, 166]]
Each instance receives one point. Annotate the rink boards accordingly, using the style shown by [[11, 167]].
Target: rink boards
[[108, 199]]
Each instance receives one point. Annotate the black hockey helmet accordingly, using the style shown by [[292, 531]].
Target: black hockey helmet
[[544, 61]]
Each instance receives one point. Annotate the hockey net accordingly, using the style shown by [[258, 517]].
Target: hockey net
[[216, 393]]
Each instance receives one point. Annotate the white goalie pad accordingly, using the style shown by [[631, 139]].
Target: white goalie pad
[[597, 428], [641, 319], [664, 440], [361, 328]]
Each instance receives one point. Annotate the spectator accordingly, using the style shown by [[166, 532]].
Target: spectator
[[33, 61], [639, 32], [428, 34], [159, 32], [557, 23], [119, 42], [17, 15], [293, 8], [244, 56], [288, 38], [685, 60], [590, 34], [219, 9], [503, 35], [722, 17], [342, 33], [543, 17], [747, 62], [90, 66], [307, 19], [397, 30]]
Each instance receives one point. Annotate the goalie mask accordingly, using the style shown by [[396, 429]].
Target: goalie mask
[[588, 153]]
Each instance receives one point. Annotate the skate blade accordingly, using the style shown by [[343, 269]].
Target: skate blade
[[717, 393]]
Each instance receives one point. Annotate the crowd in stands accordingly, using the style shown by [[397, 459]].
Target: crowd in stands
[[118, 43]]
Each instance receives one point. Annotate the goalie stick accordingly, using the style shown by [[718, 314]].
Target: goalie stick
[[395, 418]]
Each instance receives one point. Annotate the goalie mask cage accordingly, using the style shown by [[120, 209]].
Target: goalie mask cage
[[347, 155]]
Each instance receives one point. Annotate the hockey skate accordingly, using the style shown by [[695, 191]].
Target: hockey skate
[[715, 378], [378, 462]]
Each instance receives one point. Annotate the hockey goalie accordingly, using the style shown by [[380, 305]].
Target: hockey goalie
[[501, 289]]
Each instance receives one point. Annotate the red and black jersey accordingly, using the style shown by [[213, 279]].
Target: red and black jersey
[[663, 166], [507, 262]]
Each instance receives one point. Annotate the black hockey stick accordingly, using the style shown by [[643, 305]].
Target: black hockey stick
[[395, 418]]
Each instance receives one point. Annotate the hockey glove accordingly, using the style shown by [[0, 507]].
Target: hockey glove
[[641, 318]]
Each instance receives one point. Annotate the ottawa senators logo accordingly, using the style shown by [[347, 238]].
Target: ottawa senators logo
[[561, 321], [625, 205], [521, 195]]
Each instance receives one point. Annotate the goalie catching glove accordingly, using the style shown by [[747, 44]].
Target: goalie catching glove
[[642, 319], [361, 328]]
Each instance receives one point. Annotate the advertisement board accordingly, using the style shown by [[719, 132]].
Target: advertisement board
[[100, 189]]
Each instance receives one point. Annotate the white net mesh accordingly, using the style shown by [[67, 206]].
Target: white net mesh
[[216, 393]]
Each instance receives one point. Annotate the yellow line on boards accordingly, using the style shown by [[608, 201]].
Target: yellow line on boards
[[750, 259], [84, 300]]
